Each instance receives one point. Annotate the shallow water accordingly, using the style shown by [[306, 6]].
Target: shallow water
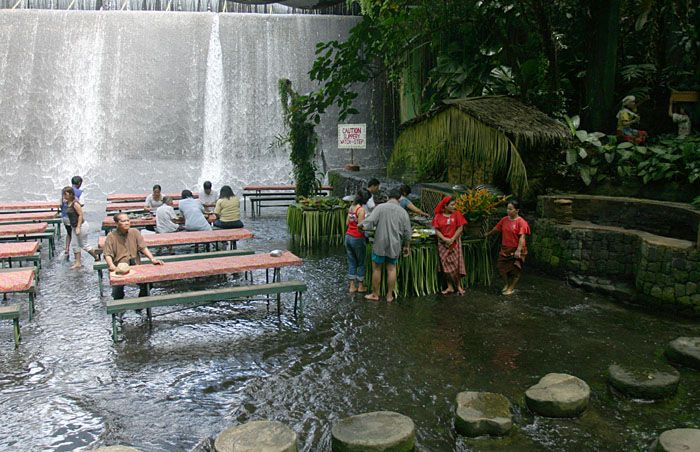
[[200, 370]]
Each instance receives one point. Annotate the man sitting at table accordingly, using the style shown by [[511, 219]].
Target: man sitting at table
[[193, 212], [208, 197], [166, 216], [123, 245]]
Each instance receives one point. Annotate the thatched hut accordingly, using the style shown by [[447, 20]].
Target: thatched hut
[[477, 140]]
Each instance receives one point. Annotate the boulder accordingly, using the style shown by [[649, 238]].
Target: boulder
[[268, 436], [644, 383], [685, 351], [678, 440], [558, 395], [374, 432], [483, 413]]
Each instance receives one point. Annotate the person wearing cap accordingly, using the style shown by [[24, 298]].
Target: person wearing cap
[[124, 245], [627, 120], [392, 237]]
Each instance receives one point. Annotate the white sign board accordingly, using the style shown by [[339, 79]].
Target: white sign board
[[352, 136]]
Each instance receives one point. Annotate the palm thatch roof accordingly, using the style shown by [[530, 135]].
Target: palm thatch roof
[[525, 125], [487, 131]]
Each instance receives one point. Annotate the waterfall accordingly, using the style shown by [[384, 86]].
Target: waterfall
[[214, 114], [128, 99]]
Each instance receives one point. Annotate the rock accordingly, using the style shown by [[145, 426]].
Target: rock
[[644, 383], [483, 413], [376, 431], [268, 436], [558, 395], [678, 440], [685, 350], [116, 449]]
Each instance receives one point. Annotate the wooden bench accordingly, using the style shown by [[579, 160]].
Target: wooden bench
[[20, 280], [48, 235], [102, 266], [12, 312], [260, 199], [202, 297]]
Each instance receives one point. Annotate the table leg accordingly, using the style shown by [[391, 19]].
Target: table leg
[[99, 281], [16, 332], [31, 306], [114, 327]]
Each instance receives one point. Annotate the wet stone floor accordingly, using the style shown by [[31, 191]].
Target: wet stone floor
[[198, 371]]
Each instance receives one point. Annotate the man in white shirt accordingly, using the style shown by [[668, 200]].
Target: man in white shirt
[[373, 189], [208, 197], [166, 216]]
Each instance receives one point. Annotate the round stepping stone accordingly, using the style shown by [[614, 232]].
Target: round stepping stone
[[685, 350], [268, 436], [377, 431], [483, 413], [116, 449], [678, 440], [558, 395], [644, 383]]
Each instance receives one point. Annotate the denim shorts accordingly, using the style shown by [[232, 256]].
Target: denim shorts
[[382, 259]]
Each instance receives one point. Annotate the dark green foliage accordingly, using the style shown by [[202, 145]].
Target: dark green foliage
[[301, 137]]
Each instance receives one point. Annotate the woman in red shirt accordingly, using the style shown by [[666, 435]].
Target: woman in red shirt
[[511, 258], [355, 243], [448, 224]]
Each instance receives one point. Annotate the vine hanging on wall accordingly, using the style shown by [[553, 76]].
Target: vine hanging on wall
[[302, 138]]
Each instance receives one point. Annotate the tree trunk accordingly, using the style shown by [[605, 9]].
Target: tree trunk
[[602, 65]]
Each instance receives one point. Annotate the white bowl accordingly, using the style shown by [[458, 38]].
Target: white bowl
[[276, 253]]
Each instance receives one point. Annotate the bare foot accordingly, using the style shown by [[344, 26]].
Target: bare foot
[[361, 289], [447, 291], [389, 299], [371, 297], [74, 266], [509, 292], [461, 291], [352, 289], [504, 289]]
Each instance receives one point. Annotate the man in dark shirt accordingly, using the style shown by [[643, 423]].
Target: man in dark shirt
[[123, 245]]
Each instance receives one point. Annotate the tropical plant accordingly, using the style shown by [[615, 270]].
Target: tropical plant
[[478, 204], [301, 138], [312, 228]]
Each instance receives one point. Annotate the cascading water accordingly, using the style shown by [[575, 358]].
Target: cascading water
[[128, 99], [214, 114]]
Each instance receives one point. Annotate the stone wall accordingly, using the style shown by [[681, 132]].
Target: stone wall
[[660, 272]]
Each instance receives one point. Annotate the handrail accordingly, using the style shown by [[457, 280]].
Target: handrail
[[17, 4], [170, 2], [71, 5]]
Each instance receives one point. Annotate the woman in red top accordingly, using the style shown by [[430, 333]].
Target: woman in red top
[[511, 258], [448, 224], [355, 243]]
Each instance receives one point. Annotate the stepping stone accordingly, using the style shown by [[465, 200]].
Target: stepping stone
[[116, 449], [374, 432], [483, 413], [644, 383], [558, 395], [677, 440], [685, 350], [254, 436]]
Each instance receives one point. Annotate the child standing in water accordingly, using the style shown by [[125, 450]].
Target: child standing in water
[[511, 257]]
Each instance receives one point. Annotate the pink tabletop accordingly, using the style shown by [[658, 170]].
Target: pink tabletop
[[129, 206], [147, 221], [16, 281], [171, 271], [190, 238], [29, 205], [120, 197], [28, 216], [18, 249], [278, 187], [20, 229]]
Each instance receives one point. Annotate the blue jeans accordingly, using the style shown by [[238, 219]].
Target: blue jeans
[[356, 257]]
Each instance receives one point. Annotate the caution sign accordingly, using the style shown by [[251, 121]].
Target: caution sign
[[352, 136]]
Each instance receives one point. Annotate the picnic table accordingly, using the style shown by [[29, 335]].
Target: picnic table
[[30, 206], [23, 280], [172, 271], [130, 206], [28, 231], [280, 195], [19, 252], [190, 238], [108, 222], [140, 197], [51, 217]]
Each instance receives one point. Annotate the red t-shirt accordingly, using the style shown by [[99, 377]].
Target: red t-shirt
[[511, 230], [448, 225], [353, 231]]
